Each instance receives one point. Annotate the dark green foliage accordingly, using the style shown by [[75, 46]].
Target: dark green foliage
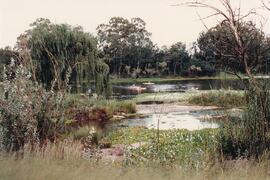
[[218, 48], [178, 59], [205, 68], [125, 45]]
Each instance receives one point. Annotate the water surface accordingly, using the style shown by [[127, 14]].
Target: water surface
[[190, 120]]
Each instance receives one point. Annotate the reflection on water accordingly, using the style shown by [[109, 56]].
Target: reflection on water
[[175, 120]]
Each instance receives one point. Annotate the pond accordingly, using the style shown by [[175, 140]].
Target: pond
[[190, 120], [174, 116], [177, 117], [170, 121], [122, 90]]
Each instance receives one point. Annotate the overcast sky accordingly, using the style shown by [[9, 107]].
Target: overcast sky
[[168, 24]]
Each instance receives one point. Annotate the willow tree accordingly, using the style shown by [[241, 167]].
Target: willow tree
[[62, 53]]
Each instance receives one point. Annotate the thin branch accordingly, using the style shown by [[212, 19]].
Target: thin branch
[[209, 16], [201, 19], [265, 5]]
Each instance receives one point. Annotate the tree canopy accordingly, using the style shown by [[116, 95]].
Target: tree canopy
[[218, 47], [60, 51], [125, 43]]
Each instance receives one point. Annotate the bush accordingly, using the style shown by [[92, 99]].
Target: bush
[[249, 135], [28, 114]]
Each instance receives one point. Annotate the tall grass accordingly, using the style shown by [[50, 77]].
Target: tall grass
[[249, 135], [220, 98], [46, 165], [112, 106]]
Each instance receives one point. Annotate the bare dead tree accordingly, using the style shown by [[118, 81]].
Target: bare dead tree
[[233, 18], [255, 127]]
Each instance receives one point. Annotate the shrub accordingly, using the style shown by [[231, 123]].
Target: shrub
[[249, 135], [28, 114], [20, 104]]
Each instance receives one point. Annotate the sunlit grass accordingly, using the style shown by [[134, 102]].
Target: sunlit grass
[[219, 98], [65, 160], [38, 168]]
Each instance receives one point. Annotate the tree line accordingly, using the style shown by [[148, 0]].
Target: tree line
[[123, 48]]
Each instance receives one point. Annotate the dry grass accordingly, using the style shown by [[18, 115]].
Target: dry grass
[[64, 162], [45, 169]]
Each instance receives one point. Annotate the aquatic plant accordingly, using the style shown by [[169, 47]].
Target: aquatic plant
[[184, 148]]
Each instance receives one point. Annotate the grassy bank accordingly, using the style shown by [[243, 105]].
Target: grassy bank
[[111, 106], [165, 97], [222, 98], [228, 99]]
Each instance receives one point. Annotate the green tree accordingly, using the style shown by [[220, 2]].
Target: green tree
[[125, 43], [59, 50], [178, 58]]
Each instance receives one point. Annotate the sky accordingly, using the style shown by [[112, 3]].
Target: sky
[[167, 23]]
